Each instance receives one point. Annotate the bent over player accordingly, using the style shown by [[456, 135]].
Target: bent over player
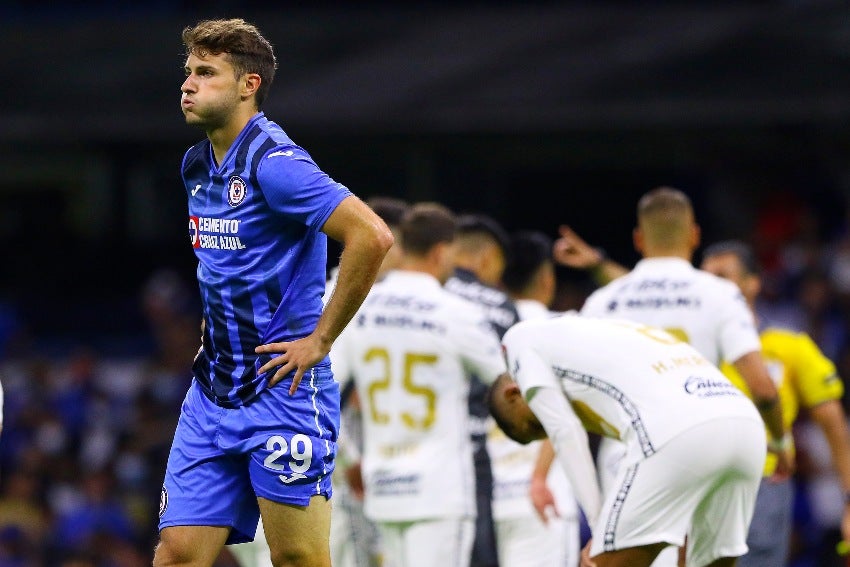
[[694, 443]]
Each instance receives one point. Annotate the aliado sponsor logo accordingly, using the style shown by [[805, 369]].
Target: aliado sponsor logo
[[214, 233]]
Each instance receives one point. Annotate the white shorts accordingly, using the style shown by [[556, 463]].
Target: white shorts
[[702, 483], [426, 543], [528, 542]]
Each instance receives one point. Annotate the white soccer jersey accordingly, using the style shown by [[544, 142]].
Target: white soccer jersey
[[621, 379], [513, 462], [410, 349], [706, 311]]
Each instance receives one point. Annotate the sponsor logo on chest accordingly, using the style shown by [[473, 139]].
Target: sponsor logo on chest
[[215, 233]]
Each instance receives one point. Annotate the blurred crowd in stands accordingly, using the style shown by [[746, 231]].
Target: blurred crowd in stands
[[86, 433]]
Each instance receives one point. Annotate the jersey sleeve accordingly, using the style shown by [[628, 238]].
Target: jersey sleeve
[[525, 364], [737, 327], [816, 376], [569, 439], [478, 344], [294, 186], [546, 399]]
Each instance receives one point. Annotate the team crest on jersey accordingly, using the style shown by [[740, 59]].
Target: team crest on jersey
[[163, 501], [236, 191]]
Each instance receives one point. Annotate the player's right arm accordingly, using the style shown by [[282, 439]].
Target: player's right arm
[[740, 343], [569, 439], [549, 404], [766, 399]]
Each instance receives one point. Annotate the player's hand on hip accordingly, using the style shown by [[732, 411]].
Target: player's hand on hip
[[299, 356]]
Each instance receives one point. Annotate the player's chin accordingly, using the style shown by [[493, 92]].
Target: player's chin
[[534, 432], [191, 117]]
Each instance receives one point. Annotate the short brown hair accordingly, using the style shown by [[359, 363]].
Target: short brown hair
[[249, 51], [665, 215], [425, 225]]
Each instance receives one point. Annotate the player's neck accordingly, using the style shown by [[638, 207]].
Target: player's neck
[[222, 138], [668, 253]]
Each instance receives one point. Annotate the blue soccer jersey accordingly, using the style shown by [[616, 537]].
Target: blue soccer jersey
[[254, 223]]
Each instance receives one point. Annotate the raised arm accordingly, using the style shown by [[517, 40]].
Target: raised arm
[[572, 251]]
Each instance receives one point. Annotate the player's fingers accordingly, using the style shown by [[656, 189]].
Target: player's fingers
[[541, 513], [280, 374], [271, 348], [273, 363], [299, 373]]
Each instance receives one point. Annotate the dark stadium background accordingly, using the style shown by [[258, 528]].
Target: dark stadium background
[[535, 112]]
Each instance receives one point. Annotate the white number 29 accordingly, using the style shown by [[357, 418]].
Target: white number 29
[[300, 449]]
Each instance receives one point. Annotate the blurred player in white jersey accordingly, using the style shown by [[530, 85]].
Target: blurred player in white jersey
[[411, 350], [694, 444], [354, 539], [524, 538], [481, 253], [665, 290]]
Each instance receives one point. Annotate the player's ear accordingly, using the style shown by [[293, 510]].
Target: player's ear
[[512, 391], [696, 236], [638, 239], [250, 84], [751, 285]]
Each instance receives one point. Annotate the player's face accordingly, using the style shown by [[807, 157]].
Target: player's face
[[210, 91], [515, 416], [726, 266]]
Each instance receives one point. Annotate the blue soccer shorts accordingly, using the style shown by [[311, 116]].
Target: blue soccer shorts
[[278, 447]]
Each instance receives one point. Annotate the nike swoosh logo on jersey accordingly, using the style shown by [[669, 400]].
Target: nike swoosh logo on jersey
[[286, 153], [196, 189]]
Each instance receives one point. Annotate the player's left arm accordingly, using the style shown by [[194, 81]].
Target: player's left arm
[[365, 239]]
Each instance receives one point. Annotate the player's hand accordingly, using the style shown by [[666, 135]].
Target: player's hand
[[542, 499], [585, 555], [784, 466], [572, 251], [300, 355]]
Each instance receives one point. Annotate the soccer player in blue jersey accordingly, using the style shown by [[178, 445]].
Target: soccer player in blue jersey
[[258, 427]]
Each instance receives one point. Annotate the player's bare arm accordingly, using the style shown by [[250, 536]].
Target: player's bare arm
[[366, 240], [766, 399], [832, 420], [541, 496]]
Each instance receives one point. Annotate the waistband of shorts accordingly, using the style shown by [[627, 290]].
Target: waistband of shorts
[[226, 404]]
